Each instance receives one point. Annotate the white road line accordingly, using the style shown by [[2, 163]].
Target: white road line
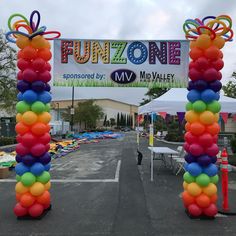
[[115, 180]]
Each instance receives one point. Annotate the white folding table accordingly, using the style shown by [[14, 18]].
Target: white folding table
[[162, 151]]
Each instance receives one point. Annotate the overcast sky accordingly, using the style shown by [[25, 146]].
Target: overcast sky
[[124, 19]]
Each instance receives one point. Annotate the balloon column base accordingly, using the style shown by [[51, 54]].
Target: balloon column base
[[201, 217], [28, 217]]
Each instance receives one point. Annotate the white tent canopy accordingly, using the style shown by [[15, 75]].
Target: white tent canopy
[[175, 100]]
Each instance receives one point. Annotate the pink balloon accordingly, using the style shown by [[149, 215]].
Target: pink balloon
[[38, 150], [194, 74], [20, 75], [45, 138], [29, 75], [211, 210], [205, 140], [38, 64], [190, 138], [196, 149], [36, 210], [44, 76], [186, 147], [212, 150], [194, 210], [210, 74], [21, 149], [29, 140], [218, 64], [22, 64]]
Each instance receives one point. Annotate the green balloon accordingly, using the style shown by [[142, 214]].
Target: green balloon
[[44, 177], [38, 107], [188, 106], [18, 178], [203, 180], [28, 179], [214, 107], [188, 178], [47, 107], [214, 179], [22, 107], [199, 106]]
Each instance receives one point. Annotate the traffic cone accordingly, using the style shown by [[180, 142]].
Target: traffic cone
[[224, 170]]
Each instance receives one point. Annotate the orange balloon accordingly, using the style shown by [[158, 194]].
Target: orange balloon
[[39, 129], [48, 128], [187, 198], [207, 118], [191, 116], [197, 128], [203, 41], [20, 188], [18, 117], [21, 128], [27, 200], [219, 42], [195, 53], [187, 126], [212, 53], [44, 199], [214, 198], [192, 44], [18, 196], [45, 54], [48, 45], [22, 41], [29, 53], [203, 200], [39, 42], [29, 118], [44, 117], [213, 129]]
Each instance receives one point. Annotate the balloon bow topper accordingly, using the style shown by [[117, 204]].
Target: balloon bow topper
[[219, 26], [31, 28]]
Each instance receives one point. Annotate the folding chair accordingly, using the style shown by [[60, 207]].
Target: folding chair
[[180, 161]]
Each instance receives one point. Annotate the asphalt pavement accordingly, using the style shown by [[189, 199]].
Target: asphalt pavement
[[100, 190]]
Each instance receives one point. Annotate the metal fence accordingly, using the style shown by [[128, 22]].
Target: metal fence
[[7, 129]]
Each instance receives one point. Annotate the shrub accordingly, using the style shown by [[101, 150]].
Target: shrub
[[7, 141], [174, 137]]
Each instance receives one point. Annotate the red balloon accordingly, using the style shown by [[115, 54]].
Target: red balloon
[[215, 138], [20, 54], [29, 53], [45, 54], [202, 63], [38, 64], [45, 139], [218, 64], [47, 67], [210, 74], [29, 139], [36, 210], [20, 210], [44, 76], [194, 210], [194, 74], [18, 138], [192, 64], [205, 140], [212, 150], [23, 64], [196, 149], [29, 75], [186, 147], [47, 147], [38, 150], [20, 75], [219, 76], [190, 138], [211, 210], [21, 149], [195, 53]]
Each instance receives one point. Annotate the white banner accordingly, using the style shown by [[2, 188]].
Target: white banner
[[110, 63]]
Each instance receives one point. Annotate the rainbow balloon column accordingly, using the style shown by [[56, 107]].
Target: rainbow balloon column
[[207, 37], [33, 178]]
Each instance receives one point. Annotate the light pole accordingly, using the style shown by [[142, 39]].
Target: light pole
[[58, 106]]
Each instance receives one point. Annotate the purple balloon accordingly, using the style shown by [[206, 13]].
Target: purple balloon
[[213, 159], [23, 85], [29, 160], [190, 85], [200, 85], [18, 158], [215, 85], [38, 86], [204, 160], [45, 158], [48, 87], [190, 158]]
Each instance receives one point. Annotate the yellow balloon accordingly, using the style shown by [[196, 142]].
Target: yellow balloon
[[203, 41], [37, 189], [29, 118], [207, 118], [217, 116], [185, 185], [22, 41], [18, 117], [194, 189], [47, 185], [44, 117], [20, 188], [219, 42], [210, 190], [191, 116]]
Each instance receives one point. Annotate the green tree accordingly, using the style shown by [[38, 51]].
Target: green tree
[[8, 89], [230, 88], [105, 121], [112, 121], [86, 112], [153, 93], [118, 119]]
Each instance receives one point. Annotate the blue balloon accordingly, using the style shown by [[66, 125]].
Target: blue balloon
[[193, 95], [30, 96], [211, 170], [37, 168], [20, 97], [45, 97], [194, 169], [47, 167], [20, 169], [208, 95], [217, 96]]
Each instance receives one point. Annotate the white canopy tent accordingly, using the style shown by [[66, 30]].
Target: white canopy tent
[[175, 100]]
